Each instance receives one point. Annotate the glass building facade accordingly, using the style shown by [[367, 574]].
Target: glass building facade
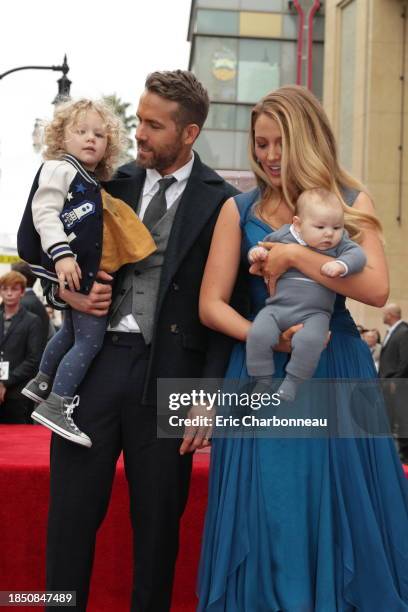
[[241, 50]]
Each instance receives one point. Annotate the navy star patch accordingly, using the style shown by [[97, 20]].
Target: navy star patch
[[80, 188]]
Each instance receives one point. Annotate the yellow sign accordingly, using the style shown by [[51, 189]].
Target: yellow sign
[[9, 259], [224, 65]]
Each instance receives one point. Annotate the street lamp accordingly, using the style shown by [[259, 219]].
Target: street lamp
[[64, 83]]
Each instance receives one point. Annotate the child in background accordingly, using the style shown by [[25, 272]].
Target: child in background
[[71, 228], [318, 224]]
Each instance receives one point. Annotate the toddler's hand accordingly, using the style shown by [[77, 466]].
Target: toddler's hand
[[68, 272], [333, 269], [257, 253]]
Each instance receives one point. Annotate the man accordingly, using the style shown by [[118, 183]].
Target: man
[[20, 349], [154, 332], [370, 336], [31, 302], [394, 365]]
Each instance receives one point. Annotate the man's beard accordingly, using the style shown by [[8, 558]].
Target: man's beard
[[160, 160]]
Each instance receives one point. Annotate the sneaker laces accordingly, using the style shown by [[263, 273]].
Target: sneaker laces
[[69, 409]]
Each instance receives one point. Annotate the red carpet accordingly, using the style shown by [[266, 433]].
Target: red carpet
[[23, 511]]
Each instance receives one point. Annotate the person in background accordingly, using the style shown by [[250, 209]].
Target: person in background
[[21, 344], [30, 300], [394, 365], [361, 329], [371, 336]]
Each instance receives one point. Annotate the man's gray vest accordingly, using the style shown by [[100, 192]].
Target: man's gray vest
[[142, 280]]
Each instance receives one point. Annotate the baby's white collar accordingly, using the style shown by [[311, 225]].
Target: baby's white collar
[[296, 236]]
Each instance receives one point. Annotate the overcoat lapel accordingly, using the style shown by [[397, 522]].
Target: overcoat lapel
[[128, 188], [198, 202]]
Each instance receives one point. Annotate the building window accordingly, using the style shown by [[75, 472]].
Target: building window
[[243, 70], [217, 22], [228, 117], [224, 150]]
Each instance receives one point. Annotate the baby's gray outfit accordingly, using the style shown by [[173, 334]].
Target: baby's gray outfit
[[298, 299]]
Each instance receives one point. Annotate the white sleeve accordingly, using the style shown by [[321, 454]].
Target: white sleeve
[[48, 202]]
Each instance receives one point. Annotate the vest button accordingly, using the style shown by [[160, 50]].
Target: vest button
[[174, 328], [91, 274], [115, 338], [175, 286], [97, 245]]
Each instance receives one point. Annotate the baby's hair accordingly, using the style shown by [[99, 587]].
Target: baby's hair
[[68, 114], [319, 196]]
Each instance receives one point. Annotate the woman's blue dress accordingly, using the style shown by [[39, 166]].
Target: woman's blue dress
[[305, 525]]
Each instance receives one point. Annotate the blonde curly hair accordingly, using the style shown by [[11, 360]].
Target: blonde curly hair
[[68, 114]]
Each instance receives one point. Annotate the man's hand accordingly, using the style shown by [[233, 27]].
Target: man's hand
[[97, 302], [69, 272], [197, 437], [3, 390]]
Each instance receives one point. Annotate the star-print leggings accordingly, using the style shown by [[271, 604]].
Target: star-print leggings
[[70, 352]]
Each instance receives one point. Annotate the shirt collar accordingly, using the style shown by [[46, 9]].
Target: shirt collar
[[181, 174], [296, 236], [391, 329]]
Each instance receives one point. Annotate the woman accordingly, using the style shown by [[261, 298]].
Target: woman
[[300, 525]]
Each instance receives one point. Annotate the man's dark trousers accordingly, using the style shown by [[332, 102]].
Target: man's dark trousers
[[112, 414]]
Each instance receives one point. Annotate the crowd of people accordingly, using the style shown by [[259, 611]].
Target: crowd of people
[[289, 520]]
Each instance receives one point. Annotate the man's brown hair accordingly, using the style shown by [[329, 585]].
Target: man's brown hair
[[13, 278], [183, 87]]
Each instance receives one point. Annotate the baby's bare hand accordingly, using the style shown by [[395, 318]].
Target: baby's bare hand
[[257, 254], [332, 269], [68, 272]]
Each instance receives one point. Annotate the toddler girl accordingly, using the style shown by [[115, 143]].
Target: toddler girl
[[71, 228]]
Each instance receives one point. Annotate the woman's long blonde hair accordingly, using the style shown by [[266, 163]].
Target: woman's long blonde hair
[[309, 153], [68, 114]]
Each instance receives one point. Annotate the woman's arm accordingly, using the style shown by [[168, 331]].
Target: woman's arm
[[371, 286], [220, 275]]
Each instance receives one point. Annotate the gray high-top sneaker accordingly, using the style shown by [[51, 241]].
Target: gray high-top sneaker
[[38, 389], [56, 414]]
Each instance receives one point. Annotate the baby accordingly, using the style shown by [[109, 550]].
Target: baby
[[319, 225]]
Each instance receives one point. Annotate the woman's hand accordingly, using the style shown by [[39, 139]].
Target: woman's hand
[[285, 339], [279, 260]]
